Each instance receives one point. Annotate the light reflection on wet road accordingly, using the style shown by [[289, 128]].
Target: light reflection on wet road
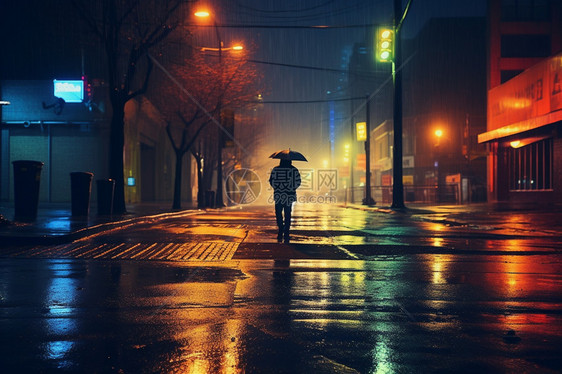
[[489, 302], [420, 313]]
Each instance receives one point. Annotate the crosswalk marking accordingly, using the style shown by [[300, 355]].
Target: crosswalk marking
[[190, 251]]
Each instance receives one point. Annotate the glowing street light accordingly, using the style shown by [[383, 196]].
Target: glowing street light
[[204, 13], [236, 47]]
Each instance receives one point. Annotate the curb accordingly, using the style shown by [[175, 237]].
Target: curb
[[91, 230]]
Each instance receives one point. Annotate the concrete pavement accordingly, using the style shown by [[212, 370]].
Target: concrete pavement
[[55, 224], [432, 289]]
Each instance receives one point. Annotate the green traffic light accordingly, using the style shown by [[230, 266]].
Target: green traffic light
[[385, 48]]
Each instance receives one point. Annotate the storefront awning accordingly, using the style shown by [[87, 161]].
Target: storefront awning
[[517, 128]]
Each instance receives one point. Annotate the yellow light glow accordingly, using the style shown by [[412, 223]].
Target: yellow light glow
[[515, 143], [385, 34], [439, 133], [202, 13], [237, 47]]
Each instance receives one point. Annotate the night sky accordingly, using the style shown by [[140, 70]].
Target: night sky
[[300, 125], [27, 23]]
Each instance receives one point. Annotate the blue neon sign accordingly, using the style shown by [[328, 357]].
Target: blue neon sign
[[70, 91]]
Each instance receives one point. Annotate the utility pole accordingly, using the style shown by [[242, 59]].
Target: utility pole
[[218, 198], [351, 158], [398, 185], [368, 199]]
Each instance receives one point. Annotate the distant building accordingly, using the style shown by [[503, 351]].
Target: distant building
[[51, 45], [524, 101], [73, 136], [444, 88]]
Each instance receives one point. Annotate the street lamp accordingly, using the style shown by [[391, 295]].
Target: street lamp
[[368, 200], [236, 47], [203, 13], [438, 134]]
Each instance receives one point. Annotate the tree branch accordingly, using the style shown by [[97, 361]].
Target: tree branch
[[169, 132], [142, 90]]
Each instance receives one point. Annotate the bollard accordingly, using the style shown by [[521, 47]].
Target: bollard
[[80, 190], [106, 188], [27, 175]]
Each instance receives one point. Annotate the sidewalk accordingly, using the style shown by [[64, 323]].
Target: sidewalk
[[55, 223]]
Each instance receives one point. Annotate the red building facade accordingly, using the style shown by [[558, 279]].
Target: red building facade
[[524, 114]]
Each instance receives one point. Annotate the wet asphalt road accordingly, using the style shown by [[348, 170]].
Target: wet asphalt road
[[355, 292]]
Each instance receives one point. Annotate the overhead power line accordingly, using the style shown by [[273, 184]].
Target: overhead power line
[[317, 27], [308, 101]]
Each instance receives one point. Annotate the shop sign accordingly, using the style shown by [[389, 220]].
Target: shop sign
[[71, 91], [535, 93]]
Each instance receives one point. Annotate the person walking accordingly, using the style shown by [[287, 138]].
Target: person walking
[[285, 179]]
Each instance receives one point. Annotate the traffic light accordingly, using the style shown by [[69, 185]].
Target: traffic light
[[385, 44]]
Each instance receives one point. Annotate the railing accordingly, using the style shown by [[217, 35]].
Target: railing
[[449, 193]]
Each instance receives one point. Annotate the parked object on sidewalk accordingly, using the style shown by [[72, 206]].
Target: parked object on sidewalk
[[106, 188], [80, 191], [27, 175], [288, 154]]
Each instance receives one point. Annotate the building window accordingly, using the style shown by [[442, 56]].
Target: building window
[[530, 167], [525, 46], [508, 74], [525, 10]]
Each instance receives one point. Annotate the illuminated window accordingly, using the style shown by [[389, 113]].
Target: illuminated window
[[530, 167]]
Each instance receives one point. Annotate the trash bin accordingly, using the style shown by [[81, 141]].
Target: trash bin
[[209, 199], [106, 188], [80, 190], [27, 175]]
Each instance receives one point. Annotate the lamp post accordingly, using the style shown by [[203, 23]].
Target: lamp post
[[438, 134], [219, 199], [368, 200]]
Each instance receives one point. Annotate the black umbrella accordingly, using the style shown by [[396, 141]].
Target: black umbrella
[[288, 154]]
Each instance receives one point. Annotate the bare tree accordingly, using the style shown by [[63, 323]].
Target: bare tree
[[201, 86], [127, 30]]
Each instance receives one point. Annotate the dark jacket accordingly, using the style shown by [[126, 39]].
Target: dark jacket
[[285, 179]]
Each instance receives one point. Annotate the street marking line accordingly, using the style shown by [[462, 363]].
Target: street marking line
[[173, 255], [88, 249], [233, 249], [190, 251], [222, 255], [200, 248], [213, 249], [346, 251], [156, 255], [126, 251], [143, 252], [75, 249], [411, 317], [111, 249], [156, 248]]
